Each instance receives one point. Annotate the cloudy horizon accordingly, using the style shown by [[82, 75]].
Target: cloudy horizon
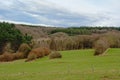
[[63, 13]]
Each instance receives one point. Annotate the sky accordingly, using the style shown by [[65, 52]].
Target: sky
[[61, 13]]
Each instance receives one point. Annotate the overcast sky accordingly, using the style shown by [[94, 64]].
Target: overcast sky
[[62, 12]]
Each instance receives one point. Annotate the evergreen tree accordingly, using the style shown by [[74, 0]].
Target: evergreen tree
[[8, 33]]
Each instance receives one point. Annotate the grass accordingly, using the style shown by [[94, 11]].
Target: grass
[[74, 65]]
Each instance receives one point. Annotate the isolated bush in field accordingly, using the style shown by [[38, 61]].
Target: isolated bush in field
[[54, 55], [24, 49], [6, 57], [101, 46], [38, 53]]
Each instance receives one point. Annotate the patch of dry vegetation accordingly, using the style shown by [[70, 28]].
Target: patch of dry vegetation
[[6, 57], [24, 49], [108, 40], [55, 54], [35, 32], [38, 53], [101, 46]]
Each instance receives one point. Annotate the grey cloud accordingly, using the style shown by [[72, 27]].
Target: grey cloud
[[43, 12]]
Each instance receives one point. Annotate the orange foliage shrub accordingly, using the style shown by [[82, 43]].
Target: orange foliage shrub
[[38, 53], [6, 57], [18, 56], [47, 51], [31, 57]]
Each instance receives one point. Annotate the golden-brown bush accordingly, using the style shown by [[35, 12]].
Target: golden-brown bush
[[47, 51], [17, 56], [54, 55], [101, 46], [6, 57], [38, 53], [24, 49], [31, 57]]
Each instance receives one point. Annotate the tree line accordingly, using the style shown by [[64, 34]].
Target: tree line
[[9, 34], [84, 30]]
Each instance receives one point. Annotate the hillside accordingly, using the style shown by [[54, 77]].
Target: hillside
[[35, 31], [44, 32]]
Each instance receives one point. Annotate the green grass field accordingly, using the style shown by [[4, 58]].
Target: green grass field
[[75, 65]]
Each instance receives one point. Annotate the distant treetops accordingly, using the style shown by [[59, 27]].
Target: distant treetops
[[84, 30]]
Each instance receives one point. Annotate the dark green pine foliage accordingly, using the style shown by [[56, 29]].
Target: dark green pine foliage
[[8, 33]]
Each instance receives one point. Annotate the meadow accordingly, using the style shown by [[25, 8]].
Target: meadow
[[74, 65]]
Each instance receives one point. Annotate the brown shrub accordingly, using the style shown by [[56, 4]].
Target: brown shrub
[[31, 57], [55, 54], [6, 57], [25, 49], [38, 53], [101, 46], [47, 51], [17, 56]]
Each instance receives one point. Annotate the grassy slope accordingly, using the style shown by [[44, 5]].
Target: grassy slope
[[75, 65]]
